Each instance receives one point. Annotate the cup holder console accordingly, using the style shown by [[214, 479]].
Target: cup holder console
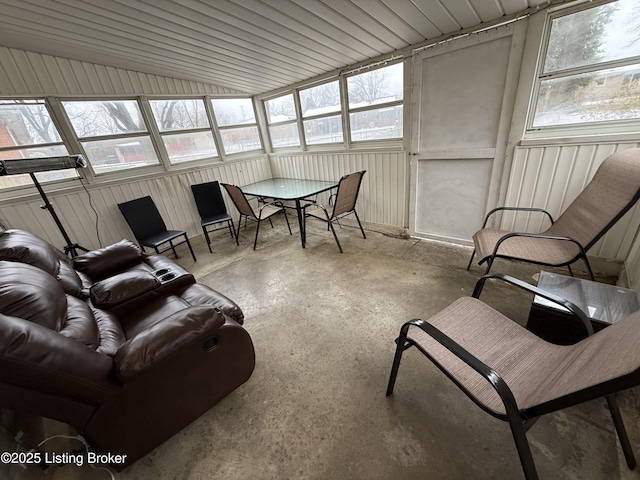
[[165, 274]]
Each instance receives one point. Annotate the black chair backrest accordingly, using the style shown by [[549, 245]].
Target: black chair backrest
[[143, 217], [209, 199]]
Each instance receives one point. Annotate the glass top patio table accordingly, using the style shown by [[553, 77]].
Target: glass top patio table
[[290, 189]]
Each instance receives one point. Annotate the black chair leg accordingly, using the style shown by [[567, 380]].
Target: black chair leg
[[335, 236], [622, 432], [174, 248], [206, 236], [522, 445], [473, 254], [190, 249], [255, 242], [232, 229], [287, 219], [360, 224]]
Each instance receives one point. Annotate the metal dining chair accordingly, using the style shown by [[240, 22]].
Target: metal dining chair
[[263, 212], [212, 210], [344, 203]]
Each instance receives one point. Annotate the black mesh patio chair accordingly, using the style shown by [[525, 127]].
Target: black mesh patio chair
[[516, 376], [264, 212], [614, 189], [342, 203], [149, 228], [212, 210]]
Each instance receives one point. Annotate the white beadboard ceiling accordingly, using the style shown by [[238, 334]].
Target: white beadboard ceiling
[[249, 45]]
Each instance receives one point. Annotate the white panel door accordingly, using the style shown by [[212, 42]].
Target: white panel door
[[463, 94]]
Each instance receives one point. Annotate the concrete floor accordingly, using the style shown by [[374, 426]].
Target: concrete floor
[[323, 326]]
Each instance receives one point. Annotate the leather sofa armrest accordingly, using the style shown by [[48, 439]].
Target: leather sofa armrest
[[193, 327], [38, 358], [103, 262]]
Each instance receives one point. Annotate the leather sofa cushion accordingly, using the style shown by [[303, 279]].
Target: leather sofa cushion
[[32, 294], [119, 288], [101, 263]]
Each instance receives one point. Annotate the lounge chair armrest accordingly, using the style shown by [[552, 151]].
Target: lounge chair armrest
[[517, 209], [489, 374], [574, 309]]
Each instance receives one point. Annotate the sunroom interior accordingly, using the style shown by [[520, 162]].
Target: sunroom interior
[[452, 108]]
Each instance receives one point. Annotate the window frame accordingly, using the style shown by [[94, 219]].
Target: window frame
[[295, 121], [206, 102], [150, 131], [379, 106], [219, 130], [337, 113], [601, 128], [60, 182]]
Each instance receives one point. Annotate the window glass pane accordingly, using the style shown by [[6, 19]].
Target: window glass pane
[[285, 135], [320, 100], [183, 147], [323, 130], [26, 124], [280, 109], [118, 153], [233, 111], [97, 118], [382, 85], [612, 94], [179, 114], [376, 124], [604, 33], [240, 139], [37, 152]]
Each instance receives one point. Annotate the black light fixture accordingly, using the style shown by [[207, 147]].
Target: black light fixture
[[33, 165]]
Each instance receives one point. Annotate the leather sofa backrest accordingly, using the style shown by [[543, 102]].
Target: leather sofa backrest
[[24, 247], [33, 294]]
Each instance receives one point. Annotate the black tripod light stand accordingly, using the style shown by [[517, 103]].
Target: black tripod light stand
[[30, 166]]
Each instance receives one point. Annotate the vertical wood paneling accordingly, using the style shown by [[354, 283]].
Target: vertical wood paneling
[[383, 196], [551, 177], [29, 73], [171, 193]]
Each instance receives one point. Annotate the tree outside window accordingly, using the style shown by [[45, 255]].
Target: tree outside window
[[282, 121], [112, 133], [237, 124], [589, 67], [375, 104], [319, 105], [27, 131], [184, 128]]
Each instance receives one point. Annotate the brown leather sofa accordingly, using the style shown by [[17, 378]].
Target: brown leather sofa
[[124, 346]]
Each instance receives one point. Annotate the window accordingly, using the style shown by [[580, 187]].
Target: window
[[375, 104], [27, 131], [319, 106], [236, 121], [282, 121], [590, 58], [112, 133], [184, 128]]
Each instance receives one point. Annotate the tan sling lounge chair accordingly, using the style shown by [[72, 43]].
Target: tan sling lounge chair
[[614, 189], [517, 377]]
